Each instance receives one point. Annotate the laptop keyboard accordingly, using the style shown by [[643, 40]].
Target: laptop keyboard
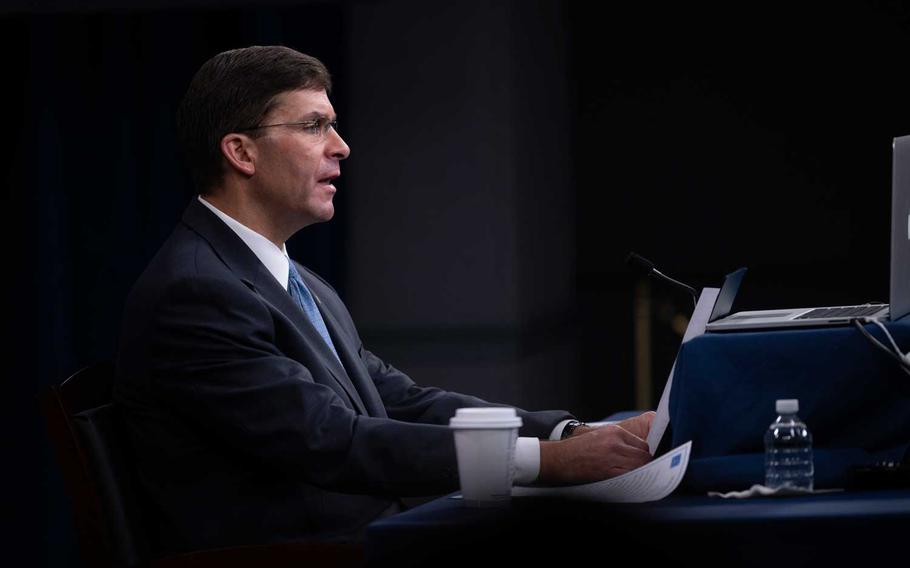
[[844, 312]]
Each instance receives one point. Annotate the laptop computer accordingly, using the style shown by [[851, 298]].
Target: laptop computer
[[899, 301]]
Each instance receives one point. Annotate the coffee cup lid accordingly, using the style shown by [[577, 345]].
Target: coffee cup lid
[[487, 417]]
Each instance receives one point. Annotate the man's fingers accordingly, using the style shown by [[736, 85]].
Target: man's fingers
[[625, 463], [631, 452], [639, 425], [636, 454], [630, 438], [631, 429]]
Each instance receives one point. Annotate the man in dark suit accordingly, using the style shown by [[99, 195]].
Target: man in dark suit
[[256, 412]]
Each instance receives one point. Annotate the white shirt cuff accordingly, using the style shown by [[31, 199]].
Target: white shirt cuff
[[556, 434], [527, 460], [527, 456]]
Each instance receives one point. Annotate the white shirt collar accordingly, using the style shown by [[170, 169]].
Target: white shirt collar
[[273, 258]]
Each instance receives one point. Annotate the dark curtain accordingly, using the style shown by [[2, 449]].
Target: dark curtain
[[93, 186]]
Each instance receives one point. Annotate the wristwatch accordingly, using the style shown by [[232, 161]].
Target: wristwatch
[[570, 427]]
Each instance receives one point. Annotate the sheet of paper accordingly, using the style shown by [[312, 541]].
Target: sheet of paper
[[650, 482], [696, 327]]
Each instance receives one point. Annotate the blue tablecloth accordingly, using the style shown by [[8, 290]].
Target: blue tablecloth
[[854, 399], [834, 529]]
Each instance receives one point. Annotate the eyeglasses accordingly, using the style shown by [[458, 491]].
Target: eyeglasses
[[318, 127]]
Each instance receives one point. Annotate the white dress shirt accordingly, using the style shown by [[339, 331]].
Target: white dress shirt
[[276, 261]]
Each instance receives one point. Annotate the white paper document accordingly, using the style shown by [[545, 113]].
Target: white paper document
[[650, 482], [696, 327]]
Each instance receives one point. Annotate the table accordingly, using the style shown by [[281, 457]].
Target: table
[[854, 399], [682, 530]]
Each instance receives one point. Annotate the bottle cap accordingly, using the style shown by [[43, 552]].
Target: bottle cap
[[787, 406]]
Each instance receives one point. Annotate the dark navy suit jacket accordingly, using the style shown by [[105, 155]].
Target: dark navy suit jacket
[[246, 427]]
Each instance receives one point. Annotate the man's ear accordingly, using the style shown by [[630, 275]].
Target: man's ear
[[240, 152]]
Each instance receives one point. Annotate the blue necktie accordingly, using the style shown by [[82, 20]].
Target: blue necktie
[[304, 299]]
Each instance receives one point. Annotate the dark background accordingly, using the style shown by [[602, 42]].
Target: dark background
[[506, 157]]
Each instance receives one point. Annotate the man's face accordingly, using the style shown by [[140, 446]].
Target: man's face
[[297, 164]]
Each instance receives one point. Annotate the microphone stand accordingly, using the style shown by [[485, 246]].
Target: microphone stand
[[645, 266]]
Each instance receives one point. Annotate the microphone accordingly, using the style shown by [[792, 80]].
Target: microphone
[[645, 266]]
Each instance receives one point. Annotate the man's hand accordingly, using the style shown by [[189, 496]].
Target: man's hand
[[597, 454], [639, 425]]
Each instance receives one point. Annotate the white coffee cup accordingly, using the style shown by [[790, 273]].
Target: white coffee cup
[[485, 445]]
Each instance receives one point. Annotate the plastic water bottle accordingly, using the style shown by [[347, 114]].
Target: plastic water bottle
[[788, 449]]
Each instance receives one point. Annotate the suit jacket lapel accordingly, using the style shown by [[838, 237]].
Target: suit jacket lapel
[[234, 252], [279, 297], [344, 345]]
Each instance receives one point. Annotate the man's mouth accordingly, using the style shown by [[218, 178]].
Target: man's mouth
[[328, 180]]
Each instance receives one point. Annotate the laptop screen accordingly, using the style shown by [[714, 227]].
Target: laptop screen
[[724, 304], [900, 229]]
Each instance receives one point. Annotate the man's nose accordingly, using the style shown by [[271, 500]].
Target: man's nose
[[337, 147]]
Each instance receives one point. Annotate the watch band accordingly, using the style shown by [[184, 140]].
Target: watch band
[[570, 428]]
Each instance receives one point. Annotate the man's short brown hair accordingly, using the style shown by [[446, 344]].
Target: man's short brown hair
[[235, 90]]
